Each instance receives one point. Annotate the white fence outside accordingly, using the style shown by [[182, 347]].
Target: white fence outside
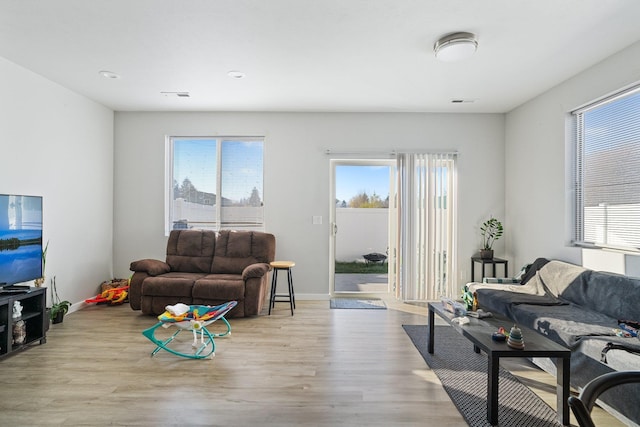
[[361, 231], [188, 214], [613, 225]]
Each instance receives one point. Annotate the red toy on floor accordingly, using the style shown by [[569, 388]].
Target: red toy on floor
[[112, 296]]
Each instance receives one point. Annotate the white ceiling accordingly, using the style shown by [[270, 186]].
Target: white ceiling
[[311, 55]]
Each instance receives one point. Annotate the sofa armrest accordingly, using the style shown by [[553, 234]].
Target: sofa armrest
[[255, 270], [153, 267]]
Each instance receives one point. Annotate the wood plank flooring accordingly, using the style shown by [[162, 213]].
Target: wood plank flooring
[[321, 367]]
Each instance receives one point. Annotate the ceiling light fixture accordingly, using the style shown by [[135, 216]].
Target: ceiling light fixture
[[109, 74], [456, 47]]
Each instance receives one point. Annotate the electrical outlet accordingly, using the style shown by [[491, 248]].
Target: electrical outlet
[[317, 220], [463, 274]]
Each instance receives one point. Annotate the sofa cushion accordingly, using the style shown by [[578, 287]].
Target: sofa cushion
[[503, 302], [564, 324], [616, 295], [223, 287], [236, 250], [557, 276], [176, 284], [191, 250], [153, 267], [616, 358]]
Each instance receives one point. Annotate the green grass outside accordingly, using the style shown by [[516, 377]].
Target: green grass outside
[[361, 268]]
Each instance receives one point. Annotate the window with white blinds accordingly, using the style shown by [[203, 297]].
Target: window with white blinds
[[215, 183], [607, 166]]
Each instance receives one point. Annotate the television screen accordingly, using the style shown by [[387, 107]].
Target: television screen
[[20, 238]]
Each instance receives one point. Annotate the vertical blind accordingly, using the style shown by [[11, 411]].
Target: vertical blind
[[426, 220], [607, 168]]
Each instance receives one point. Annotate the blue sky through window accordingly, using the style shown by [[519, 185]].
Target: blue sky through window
[[241, 166], [607, 127], [352, 180]]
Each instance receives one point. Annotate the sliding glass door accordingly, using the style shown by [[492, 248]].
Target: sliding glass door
[[362, 225]]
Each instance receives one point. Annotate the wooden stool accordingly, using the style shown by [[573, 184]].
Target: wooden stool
[[290, 297]]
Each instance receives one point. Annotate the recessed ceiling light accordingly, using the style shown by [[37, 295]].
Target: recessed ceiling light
[[109, 74], [235, 74]]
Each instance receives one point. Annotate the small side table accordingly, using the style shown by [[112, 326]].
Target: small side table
[[492, 261]]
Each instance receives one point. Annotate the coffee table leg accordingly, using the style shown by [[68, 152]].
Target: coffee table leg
[[563, 367], [431, 330], [492, 392]]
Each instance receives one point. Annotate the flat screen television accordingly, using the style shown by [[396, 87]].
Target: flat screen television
[[20, 238]]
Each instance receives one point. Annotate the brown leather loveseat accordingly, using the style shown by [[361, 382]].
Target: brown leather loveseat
[[206, 267]]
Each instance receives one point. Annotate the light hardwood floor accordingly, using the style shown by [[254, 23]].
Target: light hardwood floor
[[321, 367]]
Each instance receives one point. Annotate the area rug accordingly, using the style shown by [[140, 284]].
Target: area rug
[[463, 373], [374, 304]]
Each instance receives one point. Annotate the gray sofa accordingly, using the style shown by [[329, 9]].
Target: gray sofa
[[208, 268], [581, 309]]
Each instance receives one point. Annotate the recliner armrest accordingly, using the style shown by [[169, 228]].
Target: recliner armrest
[[255, 270], [153, 267]]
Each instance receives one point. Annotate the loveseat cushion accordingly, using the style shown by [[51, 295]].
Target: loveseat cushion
[[152, 267], [191, 250], [236, 250], [224, 287], [174, 284]]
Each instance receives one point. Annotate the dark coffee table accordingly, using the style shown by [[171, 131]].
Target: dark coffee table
[[479, 332]]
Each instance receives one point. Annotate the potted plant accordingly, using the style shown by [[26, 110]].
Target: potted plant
[[40, 280], [491, 230], [58, 308]]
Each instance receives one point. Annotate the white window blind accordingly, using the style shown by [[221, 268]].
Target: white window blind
[[215, 183], [607, 166]]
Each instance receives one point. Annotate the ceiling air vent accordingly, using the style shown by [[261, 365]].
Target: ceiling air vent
[[176, 94]]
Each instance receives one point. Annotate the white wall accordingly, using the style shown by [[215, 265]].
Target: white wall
[[538, 160], [59, 145], [297, 173]]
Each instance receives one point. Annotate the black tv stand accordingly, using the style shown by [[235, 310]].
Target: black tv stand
[[33, 302], [14, 290]]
